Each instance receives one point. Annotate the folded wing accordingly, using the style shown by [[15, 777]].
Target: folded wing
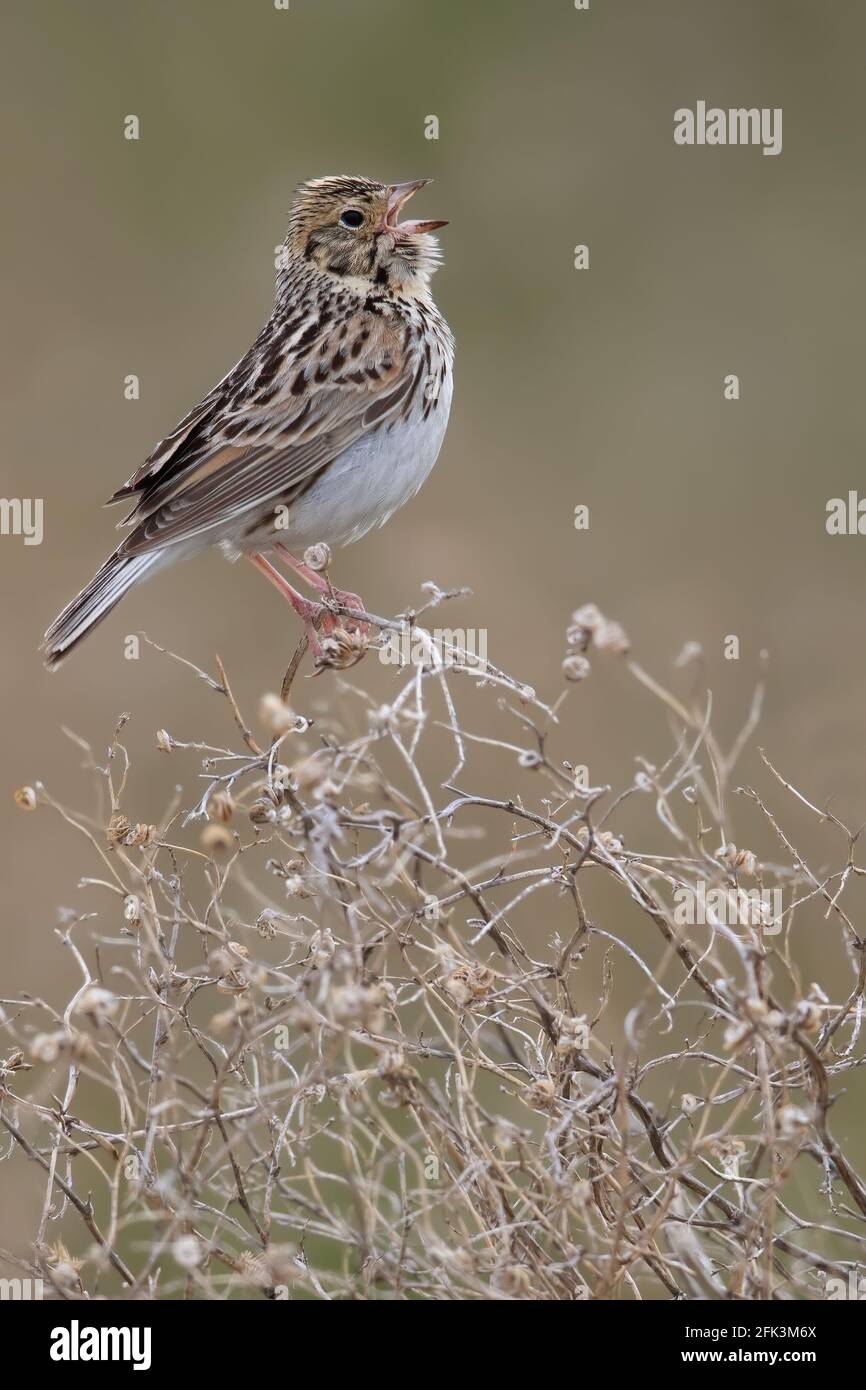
[[270, 428]]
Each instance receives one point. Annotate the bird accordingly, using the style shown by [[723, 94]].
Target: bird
[[329, 423]]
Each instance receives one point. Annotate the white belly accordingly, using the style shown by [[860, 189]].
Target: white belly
[[370, 481]]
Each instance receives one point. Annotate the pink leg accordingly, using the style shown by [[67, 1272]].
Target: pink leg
[[309, 613], [320, 583]]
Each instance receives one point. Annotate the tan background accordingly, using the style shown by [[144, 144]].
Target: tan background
[[602, 387]]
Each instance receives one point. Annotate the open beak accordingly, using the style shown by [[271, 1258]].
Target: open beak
[[400, 193]]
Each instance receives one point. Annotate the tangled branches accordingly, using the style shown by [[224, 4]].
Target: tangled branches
[[353, 1024]]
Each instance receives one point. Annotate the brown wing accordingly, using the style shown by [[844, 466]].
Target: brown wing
[[272, 426], [172, 447]]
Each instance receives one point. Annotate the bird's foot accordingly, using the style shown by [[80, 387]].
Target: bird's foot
[[341, 598], [314, 616], [344, 598]]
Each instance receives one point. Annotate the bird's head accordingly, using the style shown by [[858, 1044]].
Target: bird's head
[[350, 227]]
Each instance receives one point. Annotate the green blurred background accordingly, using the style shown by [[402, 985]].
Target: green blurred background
[[602, 387]]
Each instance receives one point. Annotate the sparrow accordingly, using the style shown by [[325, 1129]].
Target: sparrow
[[331, 421]]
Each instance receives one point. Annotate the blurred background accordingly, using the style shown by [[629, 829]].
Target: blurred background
[[601, 387]]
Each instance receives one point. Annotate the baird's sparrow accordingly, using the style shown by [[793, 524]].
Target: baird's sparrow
[[329, 423]]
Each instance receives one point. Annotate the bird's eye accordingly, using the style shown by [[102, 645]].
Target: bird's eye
[[352, 217]]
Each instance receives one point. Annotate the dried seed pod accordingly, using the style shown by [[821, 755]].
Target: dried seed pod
[[297, 886], [745, 861], [605, 839], [342, 649], [581, 1194], [164, 741], [47, 1047], [730, 1151], [117, 830], [792, 1121], [132, 909], [689, 651], [610, 841], [263, 811], [26, 799], [308, 774], [540, 1094], [220, 807], [80, 1047], [278, 719], [611, 637], [229, 964], [382, 719], [233, 1016], [469, 983], [65, 1271], [121, 831], [141, 835], [573, 1034], [266, 923], [349, 1085], [576, 668], [514, 1280], [255, 1270], [757, 911], [322, 948], [455, 1258], [97, 1004], [735, 1035], [756, 1008], [280, 778], [578, 637], [588, 615], [317, 557], [400, 1080], [216, 840], [187, 1252], [361, 1006], [14, 1062], [807, 1016], [431, 911]]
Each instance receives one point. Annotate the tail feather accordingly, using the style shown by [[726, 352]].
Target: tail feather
[[95, 602]]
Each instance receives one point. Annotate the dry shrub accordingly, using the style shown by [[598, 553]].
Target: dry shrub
[[348, 1026]]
